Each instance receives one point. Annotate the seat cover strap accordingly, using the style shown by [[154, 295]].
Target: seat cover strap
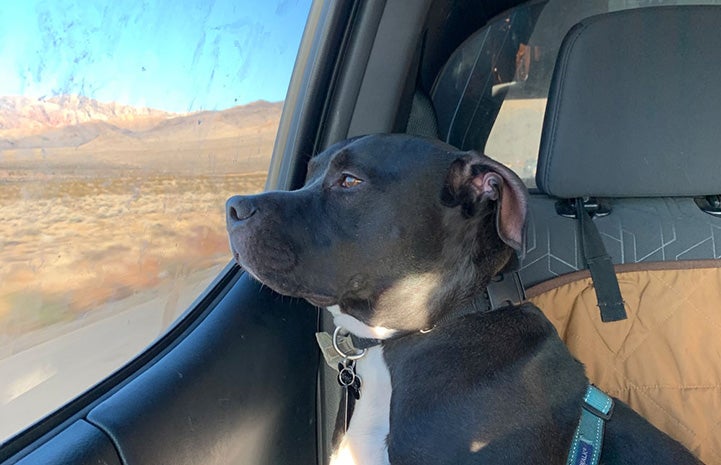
[[605, 283]]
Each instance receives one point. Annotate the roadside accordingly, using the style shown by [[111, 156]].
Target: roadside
[[87, 350]]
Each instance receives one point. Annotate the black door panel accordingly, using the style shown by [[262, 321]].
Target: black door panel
[[79, 444], [241, 388]]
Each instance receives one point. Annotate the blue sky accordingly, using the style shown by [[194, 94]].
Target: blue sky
[[172, 55]]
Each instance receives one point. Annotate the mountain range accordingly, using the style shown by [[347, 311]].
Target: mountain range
[[25, 115], [78, 131]]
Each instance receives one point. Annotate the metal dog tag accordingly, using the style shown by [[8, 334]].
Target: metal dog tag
[[349, 380]]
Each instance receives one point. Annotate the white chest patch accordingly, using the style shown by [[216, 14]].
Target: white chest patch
[[365, 441], [358, 328]]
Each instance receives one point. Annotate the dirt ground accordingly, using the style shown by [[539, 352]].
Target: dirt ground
[[107, 235], [71, 245], [94, 214]]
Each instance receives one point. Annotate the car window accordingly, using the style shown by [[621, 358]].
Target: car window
[[516, 133], [124, 126]]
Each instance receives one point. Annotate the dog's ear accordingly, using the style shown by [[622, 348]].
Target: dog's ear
[[474, 179]]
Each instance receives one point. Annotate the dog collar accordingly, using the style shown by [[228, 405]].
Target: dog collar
[[588, 440], [361, 343], [352, 343]]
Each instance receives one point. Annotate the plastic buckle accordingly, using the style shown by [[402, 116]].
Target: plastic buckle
[[594, 411], [710, 204], [505, 289], [594, 206], [598, 403]]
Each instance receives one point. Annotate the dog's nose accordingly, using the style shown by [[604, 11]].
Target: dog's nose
[[239, 208]]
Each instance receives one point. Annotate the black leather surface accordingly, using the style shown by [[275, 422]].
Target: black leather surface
[[634, 108], [241, 388], [80, 444]]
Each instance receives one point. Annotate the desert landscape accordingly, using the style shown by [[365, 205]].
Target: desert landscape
[[101, 202], [112, 222]]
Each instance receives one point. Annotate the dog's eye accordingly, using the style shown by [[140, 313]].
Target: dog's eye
[[349, 181]]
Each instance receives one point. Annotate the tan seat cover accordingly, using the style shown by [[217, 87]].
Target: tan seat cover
[[665, 359]]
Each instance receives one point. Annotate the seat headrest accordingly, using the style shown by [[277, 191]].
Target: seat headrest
[[634, 108]]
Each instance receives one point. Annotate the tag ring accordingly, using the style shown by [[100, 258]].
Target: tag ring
[[356, 356]]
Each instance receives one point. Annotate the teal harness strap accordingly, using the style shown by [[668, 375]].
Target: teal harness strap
[[588, 440]]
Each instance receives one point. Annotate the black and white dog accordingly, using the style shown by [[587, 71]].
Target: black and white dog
[[399, 236]]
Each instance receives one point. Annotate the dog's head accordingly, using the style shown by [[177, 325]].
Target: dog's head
[[395, 230]]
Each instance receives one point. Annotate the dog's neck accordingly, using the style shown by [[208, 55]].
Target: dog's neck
[[464, 292], [473, 254], [453, 284]]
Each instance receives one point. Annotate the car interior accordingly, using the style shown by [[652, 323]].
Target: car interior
[[608, 109]]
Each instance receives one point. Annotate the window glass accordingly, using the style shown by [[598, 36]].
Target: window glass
[[516, 133], [124, 127]]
